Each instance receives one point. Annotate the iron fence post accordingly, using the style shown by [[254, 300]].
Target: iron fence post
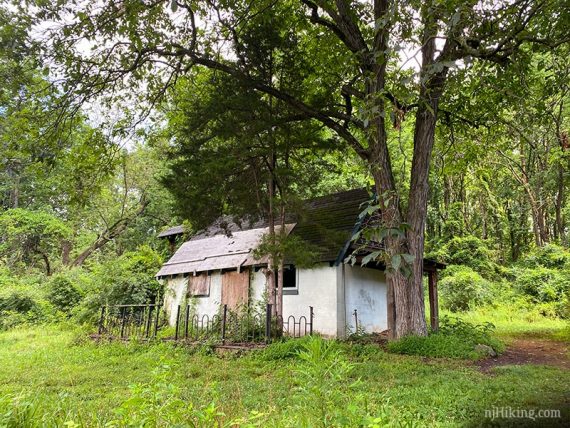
[[311, 315], [187, 319], [268, 323], [102, 320], [156, 321], [177, 323], [224, 318]]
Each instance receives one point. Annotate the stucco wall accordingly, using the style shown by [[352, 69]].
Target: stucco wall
[[205, 305], [317, 288], [366, 291]]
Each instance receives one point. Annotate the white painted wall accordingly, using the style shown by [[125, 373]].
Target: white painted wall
[[366, 291], [257, 286], [205, 305], [334, 292], [318, 288]]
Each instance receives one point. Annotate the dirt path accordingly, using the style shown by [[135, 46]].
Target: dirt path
[[530, 351]]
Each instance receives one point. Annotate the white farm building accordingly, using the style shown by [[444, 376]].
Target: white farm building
[[217, 267]]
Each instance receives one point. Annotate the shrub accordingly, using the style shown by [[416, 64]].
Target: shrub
[[550, 256], [23, 304], [545, 286], [462, 289], [468, 251], [63, 294], [128, 279], [455, 339]]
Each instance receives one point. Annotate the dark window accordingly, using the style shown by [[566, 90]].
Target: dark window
[[289, 277]]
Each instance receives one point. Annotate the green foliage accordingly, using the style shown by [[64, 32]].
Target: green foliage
[[516, 317], [128, 279], [462, 289], [28, 237], [159, 403], [63, 294], [468, 251], [550, 256], [24, 303], [56, 379], [544, 277], [284, 350], [455, 339]]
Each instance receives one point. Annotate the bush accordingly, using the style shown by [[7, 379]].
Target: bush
[[455, 339], [23, 304], [284, 350], [462, 289], [545, 286], [129, 279], [468, 251], [550, 256], [63, 294]]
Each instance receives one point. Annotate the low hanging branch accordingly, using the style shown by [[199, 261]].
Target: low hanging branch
[[112, 232]]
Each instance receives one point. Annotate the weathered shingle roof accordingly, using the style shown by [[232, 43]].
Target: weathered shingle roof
[[328, 222], [325, 223], [216, 252], [176, 230]]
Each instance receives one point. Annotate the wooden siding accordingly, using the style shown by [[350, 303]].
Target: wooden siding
[[235, 288]]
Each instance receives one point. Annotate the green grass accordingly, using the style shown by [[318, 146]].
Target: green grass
[[48, 378], [512, 321]]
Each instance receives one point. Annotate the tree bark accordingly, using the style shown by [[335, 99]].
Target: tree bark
[[108, 235], [560, 232]]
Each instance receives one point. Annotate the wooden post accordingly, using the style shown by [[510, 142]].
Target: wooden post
[[156, 320], [433, 300], [311, 316], [187, 320]]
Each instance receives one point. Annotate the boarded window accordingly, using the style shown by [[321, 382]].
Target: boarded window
[[199, 285], [235, 289]]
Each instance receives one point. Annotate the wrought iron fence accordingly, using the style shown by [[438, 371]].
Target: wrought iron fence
[[130, 321], [146, 321], [298, 326]]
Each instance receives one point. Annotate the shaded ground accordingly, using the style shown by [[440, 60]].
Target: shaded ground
[[530, 351]]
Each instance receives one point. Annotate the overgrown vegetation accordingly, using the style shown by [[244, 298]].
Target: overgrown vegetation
[[287, 110], [58, 380], [455, 339]]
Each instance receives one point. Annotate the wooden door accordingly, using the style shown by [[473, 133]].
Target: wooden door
[[235, 289]]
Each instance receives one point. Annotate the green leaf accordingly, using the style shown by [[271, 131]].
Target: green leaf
[[396, 261], [371, 257]]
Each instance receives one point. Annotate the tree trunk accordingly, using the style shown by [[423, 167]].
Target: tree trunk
[[108, 235], [270, 272], [560, 232], [66, 247], [47, 263]]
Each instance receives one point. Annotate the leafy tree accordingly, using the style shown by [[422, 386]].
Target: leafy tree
[[351, 82], [26, 236], [248, 170]]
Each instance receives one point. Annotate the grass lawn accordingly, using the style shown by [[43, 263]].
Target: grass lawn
[[49, 376]]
